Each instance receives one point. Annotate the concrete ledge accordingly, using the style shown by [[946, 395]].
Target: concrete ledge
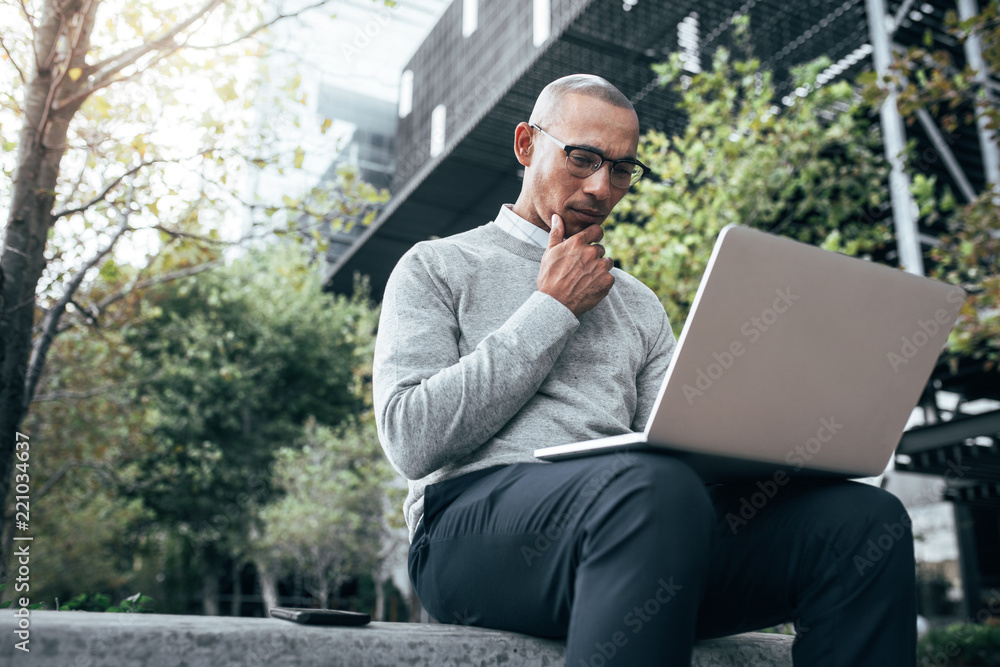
[[83, 639]]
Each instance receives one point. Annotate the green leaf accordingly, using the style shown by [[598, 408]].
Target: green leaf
[[227, 91], [109, 271]]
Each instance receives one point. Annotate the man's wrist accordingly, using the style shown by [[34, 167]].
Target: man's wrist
[[559, 301]]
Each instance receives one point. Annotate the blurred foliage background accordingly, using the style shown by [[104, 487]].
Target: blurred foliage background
[[814, 171], [205, 408]]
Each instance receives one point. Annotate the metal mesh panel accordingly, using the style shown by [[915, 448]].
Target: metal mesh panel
[[489, 81]]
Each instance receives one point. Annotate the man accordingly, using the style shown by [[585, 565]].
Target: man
[[521, 334]]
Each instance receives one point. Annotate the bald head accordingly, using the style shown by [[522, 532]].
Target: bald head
[[583, 111], [549, 103]]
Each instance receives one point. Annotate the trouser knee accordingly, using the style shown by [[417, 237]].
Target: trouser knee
[[664, 494], [889, 535]]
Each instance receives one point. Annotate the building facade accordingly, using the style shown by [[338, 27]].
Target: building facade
[[480, 69]]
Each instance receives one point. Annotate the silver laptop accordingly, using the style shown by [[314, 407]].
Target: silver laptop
[[792, 357]]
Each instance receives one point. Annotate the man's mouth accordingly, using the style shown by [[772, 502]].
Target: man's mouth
[[590, 215]]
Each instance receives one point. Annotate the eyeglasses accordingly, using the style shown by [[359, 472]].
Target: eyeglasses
[[582, 162]]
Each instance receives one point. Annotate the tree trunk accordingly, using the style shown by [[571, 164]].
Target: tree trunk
[[236, 606], [322, 591], [423, 615], [268, 587], [41, 146], [6, 534], [379, 597], [210, 591]]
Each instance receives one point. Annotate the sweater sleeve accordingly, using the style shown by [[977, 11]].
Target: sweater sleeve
[[650, 377], [434, 407]]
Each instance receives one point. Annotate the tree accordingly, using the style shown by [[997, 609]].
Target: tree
[[930, 84], [812, 171], [109, 154], [85, 420], [129, 410], [229, 367], [330, 523]]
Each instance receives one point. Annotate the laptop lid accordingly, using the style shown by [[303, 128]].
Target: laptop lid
[[801, 357]]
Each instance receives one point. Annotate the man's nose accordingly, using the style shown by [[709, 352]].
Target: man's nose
[[598, 183]]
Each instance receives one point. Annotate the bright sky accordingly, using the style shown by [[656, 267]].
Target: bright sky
[[360, 45], [366, 46]]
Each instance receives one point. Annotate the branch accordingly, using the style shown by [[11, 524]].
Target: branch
[[105, 470], [50, 105], [106, 71], [107, 68], [102, 305], [101, 468], [56, 476], [27, 15], [104, 193], [94, 314], [81, 21], [87, 92], [83, 310], [257, 28], [118, 77], [47, 20], [41, 347], [197, 237], [10, 56], [89, 393]]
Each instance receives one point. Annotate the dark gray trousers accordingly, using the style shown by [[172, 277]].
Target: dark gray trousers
[[632, 558]]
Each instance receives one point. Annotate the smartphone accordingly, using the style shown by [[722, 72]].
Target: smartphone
[[320, 616]]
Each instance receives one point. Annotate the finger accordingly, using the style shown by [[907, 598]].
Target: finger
[[600, 250], [556, 230], [591, 234]]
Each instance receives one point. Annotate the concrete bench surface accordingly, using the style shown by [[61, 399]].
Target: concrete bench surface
[[85, 639]]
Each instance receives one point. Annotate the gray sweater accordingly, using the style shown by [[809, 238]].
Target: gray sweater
[[474, 367]]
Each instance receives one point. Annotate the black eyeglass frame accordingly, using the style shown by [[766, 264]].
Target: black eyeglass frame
[[568, 148]]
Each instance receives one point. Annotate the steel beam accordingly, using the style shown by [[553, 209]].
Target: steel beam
[[901, 14], [968, 560], [974, 56], [904, 209], [944, 151], [951, 432]]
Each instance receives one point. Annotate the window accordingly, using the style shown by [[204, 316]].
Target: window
[[687, 39], [406, 93], [437, 130], [542, 21], [470, 17]]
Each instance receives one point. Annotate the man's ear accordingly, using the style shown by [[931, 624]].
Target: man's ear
[[523, 143]]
